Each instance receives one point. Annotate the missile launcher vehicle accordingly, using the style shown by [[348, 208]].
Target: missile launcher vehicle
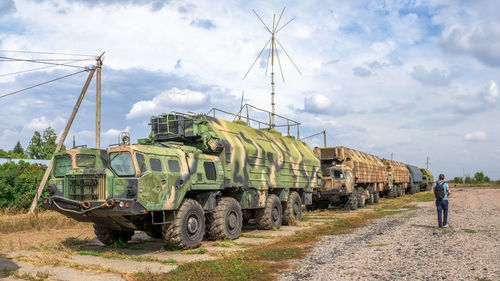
[[194, 176]]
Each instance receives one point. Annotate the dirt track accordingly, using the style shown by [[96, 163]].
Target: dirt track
[[405, 246], [408, 246]]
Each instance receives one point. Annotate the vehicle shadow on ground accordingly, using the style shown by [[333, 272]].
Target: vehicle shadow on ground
[[142, 244], [6, 265]]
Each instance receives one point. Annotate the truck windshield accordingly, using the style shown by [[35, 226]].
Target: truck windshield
[[121, 163], [337, 174], [62, 165], [85, 161]]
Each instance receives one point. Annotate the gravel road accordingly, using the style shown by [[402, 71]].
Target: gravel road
[[408, 246]]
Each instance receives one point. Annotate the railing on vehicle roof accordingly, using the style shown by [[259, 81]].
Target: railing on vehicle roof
[[286, 122]]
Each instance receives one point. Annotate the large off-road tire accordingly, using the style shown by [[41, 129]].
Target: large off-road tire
[[393, 193], [371, 197], [155, 231], [188, 226], [376, 197], [412, 189], [360, 193], [109, 236], [352, 202], [271, 215], [292, 210], [226, 221]]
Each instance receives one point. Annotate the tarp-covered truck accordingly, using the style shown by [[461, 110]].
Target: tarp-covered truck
[[399, 175], [349, 176], [193, 175], [416, 178]]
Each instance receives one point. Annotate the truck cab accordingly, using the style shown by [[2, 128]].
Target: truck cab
[[338, 179]]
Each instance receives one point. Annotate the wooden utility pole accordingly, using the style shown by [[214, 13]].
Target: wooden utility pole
[[34, 204], [324, 137], [98, 104], [427, 162]]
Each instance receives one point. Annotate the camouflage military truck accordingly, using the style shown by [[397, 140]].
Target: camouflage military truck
[[350, 177], [427, 180], [193, 176], [399, 177], [416, 178]]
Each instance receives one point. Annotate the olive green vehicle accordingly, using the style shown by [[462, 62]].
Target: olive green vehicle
[[194, 176], [427, 180]]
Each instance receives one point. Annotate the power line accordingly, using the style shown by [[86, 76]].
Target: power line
[[31, 87], [46, 53], [29, 70], [43, 62]]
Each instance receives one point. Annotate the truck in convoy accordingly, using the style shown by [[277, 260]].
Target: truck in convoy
[[195, 175], [398, 178], [416, 178], [427, 180], [350, 177]]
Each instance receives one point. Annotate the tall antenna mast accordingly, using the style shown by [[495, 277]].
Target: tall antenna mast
[[273, 50]]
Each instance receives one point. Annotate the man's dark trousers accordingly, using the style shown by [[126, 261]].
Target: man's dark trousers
[[442, 207]]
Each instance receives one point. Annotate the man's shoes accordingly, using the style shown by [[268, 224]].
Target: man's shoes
[[445, 226]]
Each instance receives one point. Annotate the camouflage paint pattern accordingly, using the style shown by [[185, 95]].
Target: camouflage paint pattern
[[427, 176], [210, 155]]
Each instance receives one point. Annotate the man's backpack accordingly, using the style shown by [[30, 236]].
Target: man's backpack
[[439, 190]]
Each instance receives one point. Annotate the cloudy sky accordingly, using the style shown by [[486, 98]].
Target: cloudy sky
[[414, 78]]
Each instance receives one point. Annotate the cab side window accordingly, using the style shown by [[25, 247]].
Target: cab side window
[[141, 162], [209, 170], [155, 164], [173, 166]]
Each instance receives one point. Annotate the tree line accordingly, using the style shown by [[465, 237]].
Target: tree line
[[41, 146], [19, 181], [478, 178]]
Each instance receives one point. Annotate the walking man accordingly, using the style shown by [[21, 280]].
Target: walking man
[[441, 191]]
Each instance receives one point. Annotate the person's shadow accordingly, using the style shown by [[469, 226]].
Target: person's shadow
[[422, 226]]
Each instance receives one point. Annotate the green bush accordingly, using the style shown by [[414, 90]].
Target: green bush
[[19, 183]]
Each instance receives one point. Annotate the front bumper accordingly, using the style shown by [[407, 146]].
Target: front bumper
[[110, 207]]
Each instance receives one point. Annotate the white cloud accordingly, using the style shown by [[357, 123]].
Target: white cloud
[[317, 103], [435, 77], [166, 100], [479, 40], [490, 92], [41, 123], [115, 132], [475, 136]]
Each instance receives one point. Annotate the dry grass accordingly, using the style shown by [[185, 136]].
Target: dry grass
[[17, 221]]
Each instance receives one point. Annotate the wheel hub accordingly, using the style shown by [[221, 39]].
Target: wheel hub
[[275, 214], [192, 225], [232, 221]]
